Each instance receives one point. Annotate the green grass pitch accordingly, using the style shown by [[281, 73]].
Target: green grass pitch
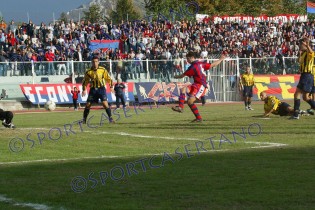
[[157, 159]]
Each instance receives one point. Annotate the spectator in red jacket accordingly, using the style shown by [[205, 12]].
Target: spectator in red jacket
[[50, 57], [75, 93]]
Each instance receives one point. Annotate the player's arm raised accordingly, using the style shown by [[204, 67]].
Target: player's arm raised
[[217, 62], [306, 43]]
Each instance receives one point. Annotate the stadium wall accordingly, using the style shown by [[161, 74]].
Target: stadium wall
[[225, 77]]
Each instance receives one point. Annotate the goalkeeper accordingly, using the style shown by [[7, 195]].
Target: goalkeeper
[[97, 76]]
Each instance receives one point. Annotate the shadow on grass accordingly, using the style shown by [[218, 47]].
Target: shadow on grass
[[281, 178]]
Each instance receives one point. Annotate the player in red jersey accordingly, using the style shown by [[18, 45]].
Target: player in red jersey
[[198, 88]]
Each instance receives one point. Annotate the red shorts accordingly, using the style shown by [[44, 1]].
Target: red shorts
[[196, 90]]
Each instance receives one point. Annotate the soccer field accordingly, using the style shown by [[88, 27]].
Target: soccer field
[[154, 158]]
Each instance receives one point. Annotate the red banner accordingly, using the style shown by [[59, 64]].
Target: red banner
[[282, 18], [281, 86], [61, 93]]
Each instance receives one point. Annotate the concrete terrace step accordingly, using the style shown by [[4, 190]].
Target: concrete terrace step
[[11, 105]]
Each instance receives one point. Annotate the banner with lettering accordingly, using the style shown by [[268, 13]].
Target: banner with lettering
[[283, 18], [162, 92], [281, 86], [61, 93]]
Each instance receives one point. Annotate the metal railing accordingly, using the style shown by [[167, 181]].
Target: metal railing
[[225, 77], [154, 69]]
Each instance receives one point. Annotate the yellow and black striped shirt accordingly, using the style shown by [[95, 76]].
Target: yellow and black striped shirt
[[96, 78], [306, 61], [272, 103], [247, 79]]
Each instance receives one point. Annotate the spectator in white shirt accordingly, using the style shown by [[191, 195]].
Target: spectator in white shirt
[[204, 54]]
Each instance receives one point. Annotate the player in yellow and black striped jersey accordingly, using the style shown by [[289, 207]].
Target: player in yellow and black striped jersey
[[312, 93], [97, 76], [274, 106], [246, 85], [306, 83]]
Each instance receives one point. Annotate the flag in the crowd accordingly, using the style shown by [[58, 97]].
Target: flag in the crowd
[[310, 8], [101, 44]]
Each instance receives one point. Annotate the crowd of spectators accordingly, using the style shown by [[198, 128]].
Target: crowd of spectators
[[164, 40]]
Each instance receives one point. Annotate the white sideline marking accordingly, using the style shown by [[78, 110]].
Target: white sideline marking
[[172, 138], [43, 111], [32, 129], [62, 159], [260, 145], [269, 144], [31, 205], [142, 136]]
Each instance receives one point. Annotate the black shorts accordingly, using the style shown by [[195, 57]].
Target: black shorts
[[306, 82], [283, 109], [248, 91], [97, 93], [7, 116]]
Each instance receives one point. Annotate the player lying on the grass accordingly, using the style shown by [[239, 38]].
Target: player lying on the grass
[[199, 86], [6, 118], [274, 106]]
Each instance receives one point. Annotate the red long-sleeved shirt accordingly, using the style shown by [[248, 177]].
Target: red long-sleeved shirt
[[75, 94]]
